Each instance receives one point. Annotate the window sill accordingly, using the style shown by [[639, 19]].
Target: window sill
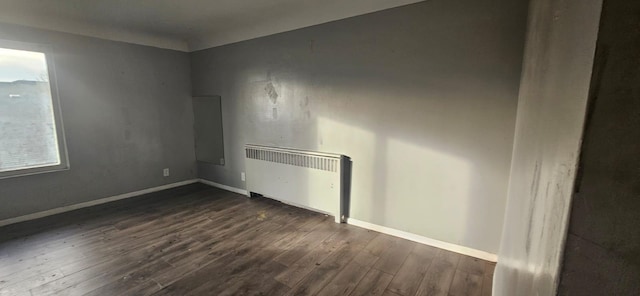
[[33, 171]]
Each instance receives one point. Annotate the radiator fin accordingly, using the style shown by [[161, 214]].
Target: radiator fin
[[295, 159]]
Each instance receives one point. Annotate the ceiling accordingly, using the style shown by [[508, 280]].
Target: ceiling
[[185, 25]]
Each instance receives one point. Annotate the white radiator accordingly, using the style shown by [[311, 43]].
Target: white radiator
[[313, 180]]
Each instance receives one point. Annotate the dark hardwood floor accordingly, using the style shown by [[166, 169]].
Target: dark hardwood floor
[[197, 240]]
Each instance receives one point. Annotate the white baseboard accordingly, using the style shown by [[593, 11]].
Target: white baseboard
[[425, 240], [224, 187], [386, 230], [93, 203]]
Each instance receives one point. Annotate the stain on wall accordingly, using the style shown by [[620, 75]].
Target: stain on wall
[[602, 256], [271, 92]]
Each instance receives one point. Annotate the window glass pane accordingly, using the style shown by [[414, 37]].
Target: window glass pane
[[27, 127]]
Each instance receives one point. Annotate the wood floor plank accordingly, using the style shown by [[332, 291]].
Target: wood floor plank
[[66, 235], [322, 274], [74, 249], [116, 268], [410, 274], [261, 255], [134, 282], [259, 281], [157, 214], [299, 269], [487, 286], [466, 284], [379, 244], [306, 244], [374, 283], [346, 280], [74, 221], [472, 265], [206, 254], [392, 258], [122, 242], [217, 245], [87, 279], [487, 283], [201, 240], [295, 235], [22, 287], [215, 276], [263, 279], [365, 259], [315, 257], [154, 265], [439, 276], [238, 257], [489, 268], [185, 285], [23, 250]]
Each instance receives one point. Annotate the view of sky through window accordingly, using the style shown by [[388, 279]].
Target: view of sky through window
[[27, 126], [22, 65]]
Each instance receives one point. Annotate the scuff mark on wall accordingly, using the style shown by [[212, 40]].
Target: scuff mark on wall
[[534, 195]]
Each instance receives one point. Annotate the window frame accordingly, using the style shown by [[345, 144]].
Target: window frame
[[55, 106]]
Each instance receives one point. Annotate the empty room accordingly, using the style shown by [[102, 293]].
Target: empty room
[[320, 147]]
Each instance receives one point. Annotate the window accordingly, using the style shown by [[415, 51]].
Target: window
[[31, 137]]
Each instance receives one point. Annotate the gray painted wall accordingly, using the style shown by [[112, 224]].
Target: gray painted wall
[[209, 142], [553, 94], [602, 256], [422, 98], [127, 115]]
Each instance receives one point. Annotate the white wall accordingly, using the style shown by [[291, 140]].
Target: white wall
[[422, 98], [556, 75]]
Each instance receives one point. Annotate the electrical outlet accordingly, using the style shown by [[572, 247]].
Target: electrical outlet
[[221, 161], [165, 172], [242, 176]]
